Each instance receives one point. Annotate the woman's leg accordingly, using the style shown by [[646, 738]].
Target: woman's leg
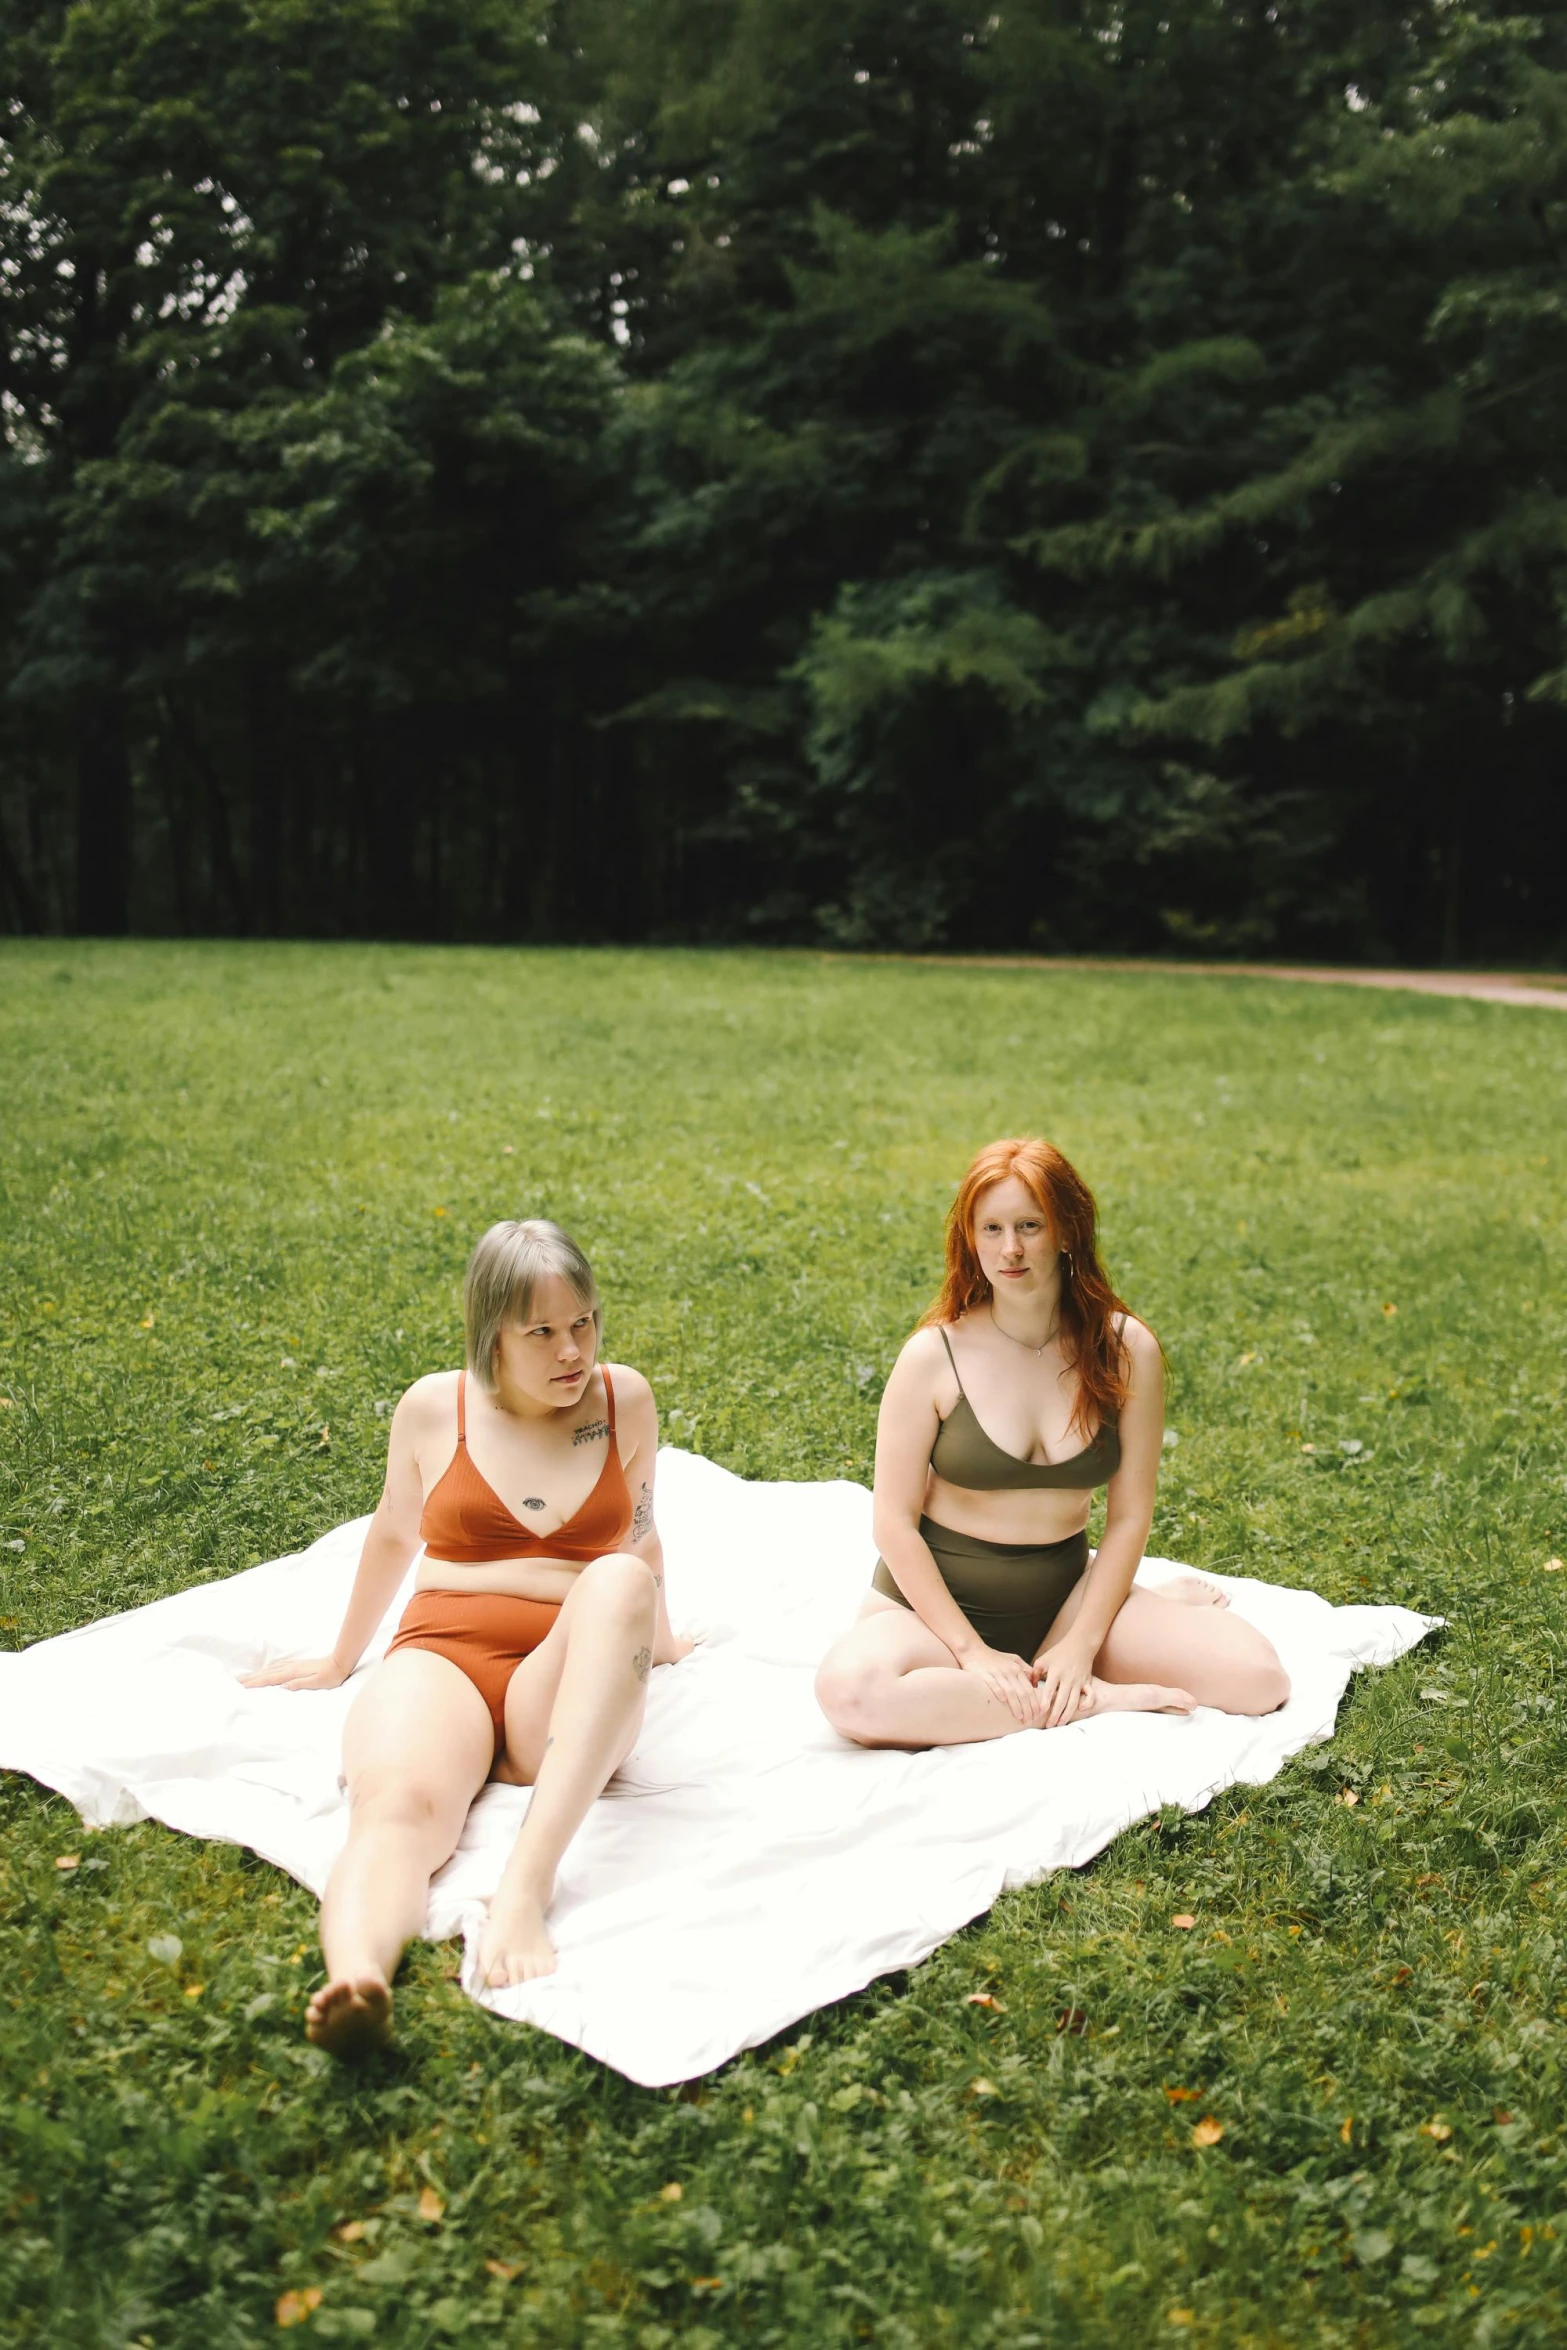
[[1209, 1650], [417, 1747], [891, 1682], [573, 1711]]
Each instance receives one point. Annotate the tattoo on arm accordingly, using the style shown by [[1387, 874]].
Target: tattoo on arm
[[590, 1431], [640, 1663], [642, 1515], [658, 1582]]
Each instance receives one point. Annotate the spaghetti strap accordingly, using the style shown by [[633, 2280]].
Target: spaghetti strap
[[609, 1400], [951, 1357], [462, 1416]]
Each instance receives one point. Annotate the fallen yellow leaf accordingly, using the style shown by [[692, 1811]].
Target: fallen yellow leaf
[[351, 2231], [1184, 1922], [1347, 1797], [1553, 1566], [504, 2269], [293, 2308], [983, 2088], [1439, 2130], [194, 1990], [431, 2207], [1183, 2096], [68, 1860], [672, 2193], [1207, 2132], [1390, 1309], [1347, 2133], [984, 1999], [148, 1320]]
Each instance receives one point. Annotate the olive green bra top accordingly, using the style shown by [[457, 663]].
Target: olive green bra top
[[964, 1455]]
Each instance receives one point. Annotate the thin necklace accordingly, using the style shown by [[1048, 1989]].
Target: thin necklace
[[1050, 1335]]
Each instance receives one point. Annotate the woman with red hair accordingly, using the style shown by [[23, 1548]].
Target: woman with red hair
[[1026, 1386]]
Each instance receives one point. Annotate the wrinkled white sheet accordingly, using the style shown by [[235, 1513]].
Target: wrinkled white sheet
[[747, 1865]]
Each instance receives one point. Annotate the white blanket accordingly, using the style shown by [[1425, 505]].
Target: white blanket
[[747, 1865]]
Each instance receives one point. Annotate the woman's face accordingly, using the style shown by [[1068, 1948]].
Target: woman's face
[[548, 1359], [1013, 1241]]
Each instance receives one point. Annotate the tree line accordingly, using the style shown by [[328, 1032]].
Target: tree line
[[1087, 473]]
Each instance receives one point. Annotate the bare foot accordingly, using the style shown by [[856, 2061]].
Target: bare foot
[[1193, 1591], [1133, 1697], [515, 1947], [350, 2016]]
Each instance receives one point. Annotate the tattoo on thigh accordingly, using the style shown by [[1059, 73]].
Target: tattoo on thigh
[[590, 1431], [642, 1515], [641, 1662]]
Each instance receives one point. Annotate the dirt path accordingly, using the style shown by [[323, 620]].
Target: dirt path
[[1491, 987]]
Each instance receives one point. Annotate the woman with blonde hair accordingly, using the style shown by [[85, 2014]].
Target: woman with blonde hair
[[523, 1655], [1026, 1386]]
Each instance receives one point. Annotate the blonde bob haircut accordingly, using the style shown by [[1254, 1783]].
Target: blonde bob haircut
[[503, 1273]]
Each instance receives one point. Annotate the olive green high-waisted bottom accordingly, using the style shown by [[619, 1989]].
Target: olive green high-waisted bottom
[[1011, 1592]]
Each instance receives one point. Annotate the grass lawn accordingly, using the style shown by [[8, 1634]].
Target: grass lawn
[[239, 1185]]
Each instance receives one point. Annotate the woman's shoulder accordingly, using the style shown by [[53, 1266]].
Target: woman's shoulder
[[427, 1410], [433, 1393], [632, 1391], [923, 1353], [1139, 1341]]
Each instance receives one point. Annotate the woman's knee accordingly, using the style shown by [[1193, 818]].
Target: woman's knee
[[413, 1805], [619, 1583], [846, 1689], [1264, 1685]]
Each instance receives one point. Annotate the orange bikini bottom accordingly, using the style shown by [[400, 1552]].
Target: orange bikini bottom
[[485, 1634]]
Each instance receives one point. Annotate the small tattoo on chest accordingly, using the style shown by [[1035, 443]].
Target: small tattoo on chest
[[535, 1502], [590, 1431]]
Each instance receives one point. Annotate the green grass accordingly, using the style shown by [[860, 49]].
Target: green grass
[[238, 1187]]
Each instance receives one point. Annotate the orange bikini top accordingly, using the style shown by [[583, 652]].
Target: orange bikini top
[[465, 1523]]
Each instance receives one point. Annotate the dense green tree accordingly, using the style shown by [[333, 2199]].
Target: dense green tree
[[1066, 475], [241, 192]]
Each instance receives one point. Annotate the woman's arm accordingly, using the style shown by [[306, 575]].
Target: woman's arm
[[638, 1436], [1064, 1671], [905, 1432], [390, 1542]]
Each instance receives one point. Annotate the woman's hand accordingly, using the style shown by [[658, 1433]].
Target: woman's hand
[[1008, 1679], [298, 1672], [1063, 1679]]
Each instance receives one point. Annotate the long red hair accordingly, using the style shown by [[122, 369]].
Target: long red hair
[[1089, 1305]]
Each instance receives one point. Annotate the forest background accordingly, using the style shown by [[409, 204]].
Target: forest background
[[1082, 475]]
